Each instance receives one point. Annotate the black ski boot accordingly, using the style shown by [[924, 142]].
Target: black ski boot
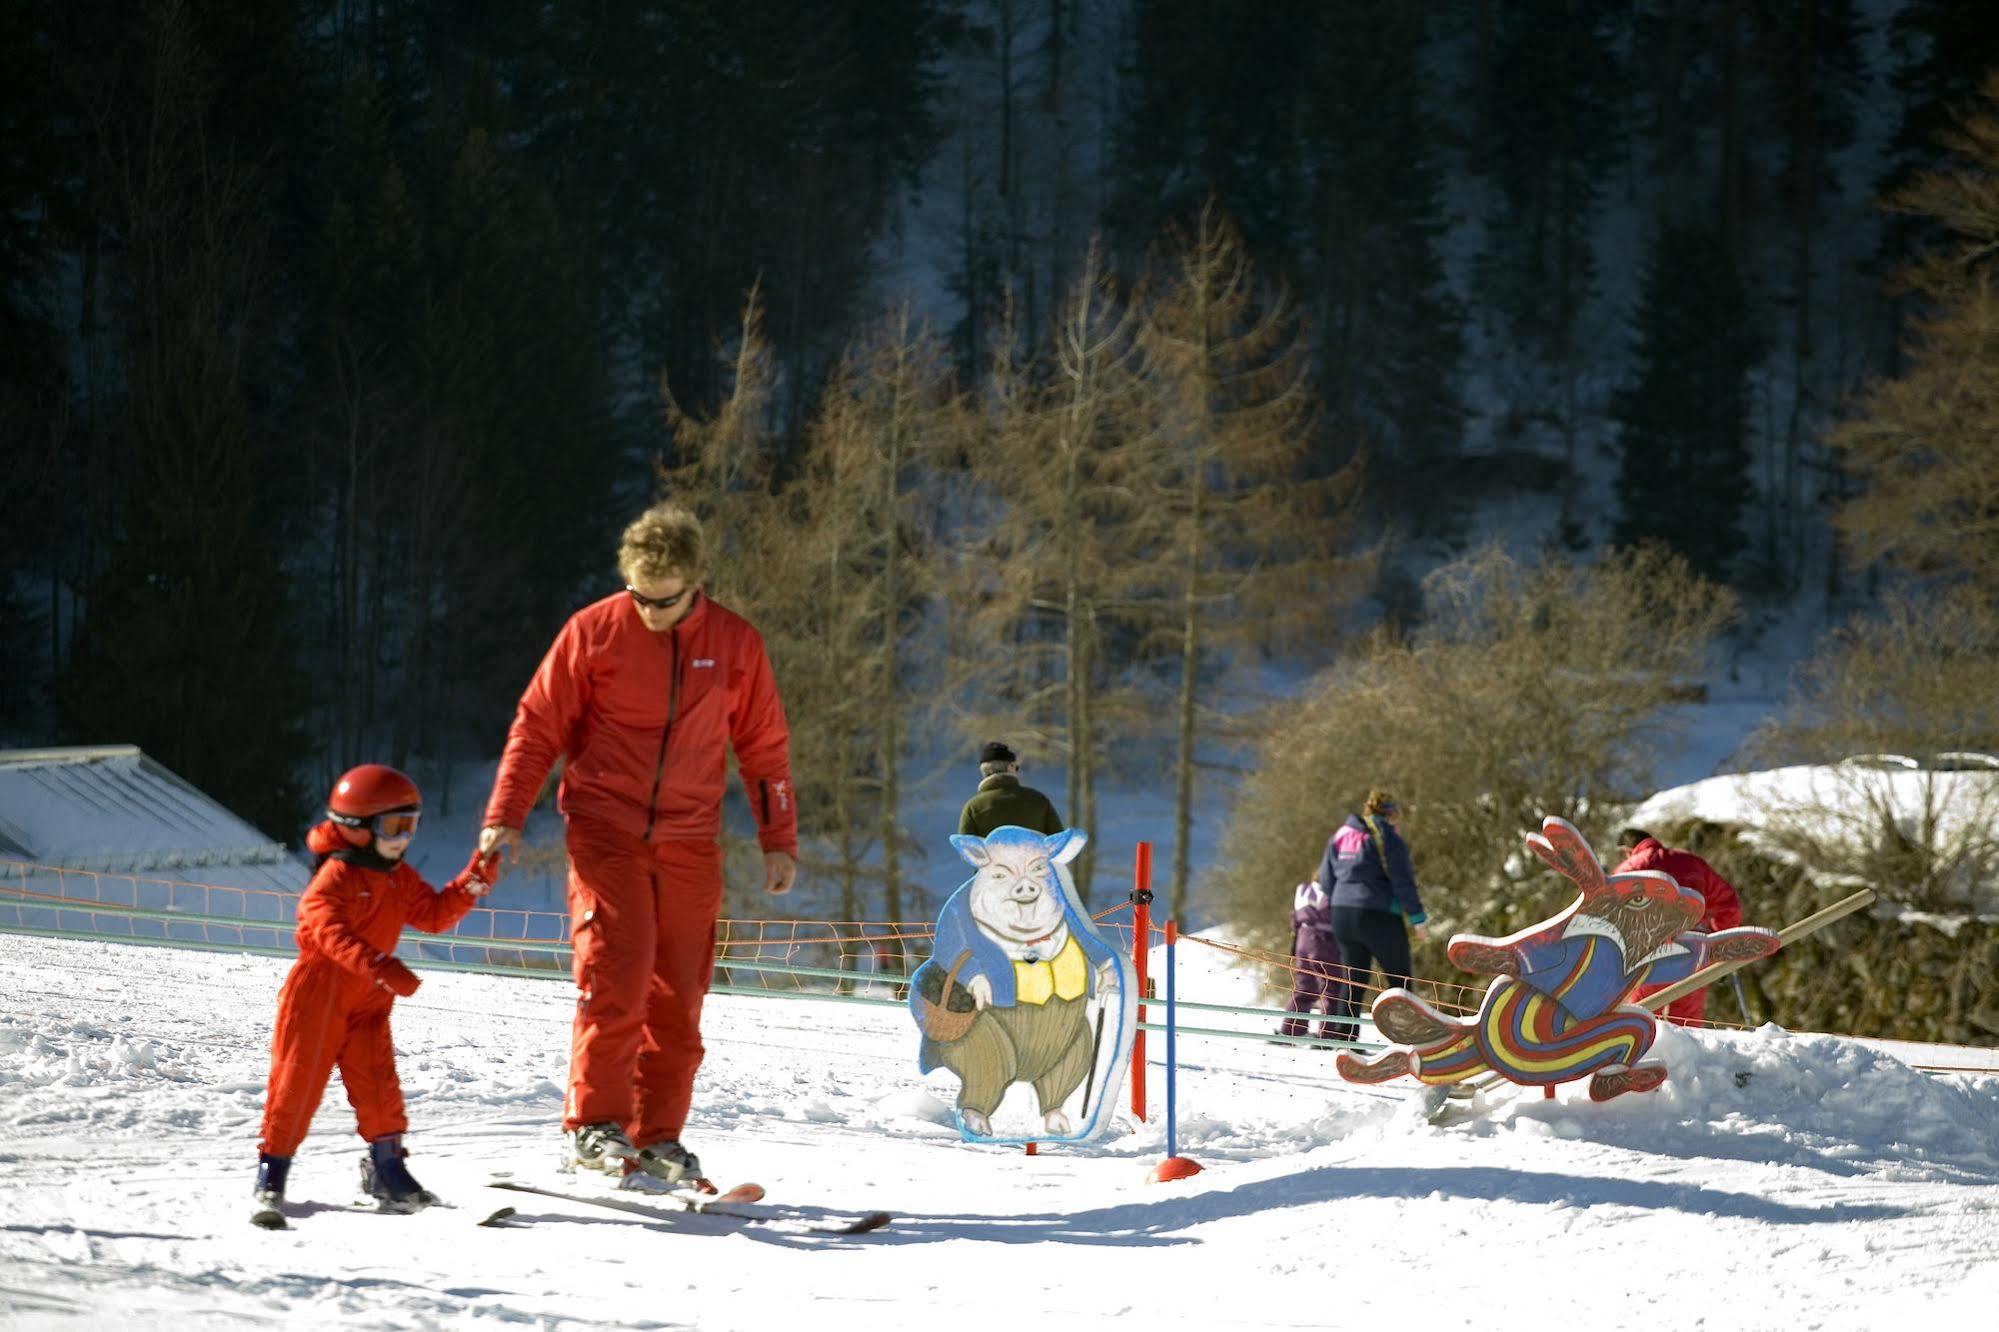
[[386, 1179], [669, 1163], [602, 1147], [270, 1193]]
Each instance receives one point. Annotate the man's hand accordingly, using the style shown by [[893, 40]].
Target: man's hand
[[497, 839], [1421, 931], [779, 872]]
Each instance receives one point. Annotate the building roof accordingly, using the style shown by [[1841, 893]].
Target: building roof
[[111, 808]]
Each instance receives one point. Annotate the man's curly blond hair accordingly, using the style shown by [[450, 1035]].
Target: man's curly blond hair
[[662, 542]]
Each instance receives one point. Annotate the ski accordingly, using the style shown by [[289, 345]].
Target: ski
[[269, 1217], [737, 1204]]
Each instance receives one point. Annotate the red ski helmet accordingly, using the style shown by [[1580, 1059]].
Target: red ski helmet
[[370, 790]]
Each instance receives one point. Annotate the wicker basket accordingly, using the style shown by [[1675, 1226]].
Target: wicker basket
[[942, 1023]]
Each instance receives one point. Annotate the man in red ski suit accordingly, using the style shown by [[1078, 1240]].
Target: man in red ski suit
[[1643, 851], [334, 1007], [642, 692]]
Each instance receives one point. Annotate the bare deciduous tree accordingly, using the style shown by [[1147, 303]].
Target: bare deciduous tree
[[1057, 560], [1245, 540], [1925, 445]]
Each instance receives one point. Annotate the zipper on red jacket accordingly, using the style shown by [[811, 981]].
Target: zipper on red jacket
[[672, 708]]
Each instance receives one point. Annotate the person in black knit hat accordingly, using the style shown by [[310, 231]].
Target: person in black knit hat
[[1001, 799]]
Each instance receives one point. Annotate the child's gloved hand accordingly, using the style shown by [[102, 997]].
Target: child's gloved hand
[[396, 978], [480, 873]]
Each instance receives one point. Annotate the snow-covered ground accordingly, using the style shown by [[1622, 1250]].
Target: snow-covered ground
[[1778, 1181]]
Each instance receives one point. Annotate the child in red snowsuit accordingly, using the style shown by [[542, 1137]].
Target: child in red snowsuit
[[334, 1007], [1643, 851]]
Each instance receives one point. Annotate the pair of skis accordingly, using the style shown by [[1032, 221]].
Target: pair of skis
[[271, 1216], [741, 1203]]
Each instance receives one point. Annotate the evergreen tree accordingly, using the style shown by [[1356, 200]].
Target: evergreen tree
[[1552, 140], [1682, 475], [34, 385], [185, 647], [1211, 111], [698, 148], [1369, 274], [1311, 125], [463, 443], [1814, 74]]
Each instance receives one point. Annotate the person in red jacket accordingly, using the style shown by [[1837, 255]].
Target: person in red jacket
[[642, 693], [334, 1007], [1643, 851]]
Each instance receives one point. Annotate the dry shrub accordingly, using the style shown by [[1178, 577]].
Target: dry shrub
[[1919, 679], [1531, 690]]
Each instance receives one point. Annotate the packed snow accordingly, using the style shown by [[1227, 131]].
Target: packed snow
[[1777, 1181]]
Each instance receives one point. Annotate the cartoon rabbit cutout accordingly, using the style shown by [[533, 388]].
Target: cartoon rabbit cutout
[[1556, 1009]]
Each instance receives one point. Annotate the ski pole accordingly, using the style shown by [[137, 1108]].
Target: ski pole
[[1741, 999]]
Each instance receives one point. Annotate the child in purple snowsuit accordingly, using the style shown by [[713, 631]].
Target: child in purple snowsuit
[[1315, 956]]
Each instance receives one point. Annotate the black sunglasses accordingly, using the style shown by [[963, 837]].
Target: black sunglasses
[[660, 603]]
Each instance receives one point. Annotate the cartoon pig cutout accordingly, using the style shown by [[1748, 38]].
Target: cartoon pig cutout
[[1555, 1010], [1006, 994]]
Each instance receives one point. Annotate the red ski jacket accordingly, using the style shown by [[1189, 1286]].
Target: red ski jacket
[[645, 719], [1724, 908], [352, 915]]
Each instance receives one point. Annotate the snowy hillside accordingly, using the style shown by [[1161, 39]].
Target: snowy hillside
[[1777, 1182]]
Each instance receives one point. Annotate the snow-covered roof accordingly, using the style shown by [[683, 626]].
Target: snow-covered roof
[[1946, 805], [111, 808]]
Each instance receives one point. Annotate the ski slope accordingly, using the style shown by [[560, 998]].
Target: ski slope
[[1778, 1182]]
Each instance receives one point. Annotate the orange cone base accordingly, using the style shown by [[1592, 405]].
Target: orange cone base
[[1175, 1167]]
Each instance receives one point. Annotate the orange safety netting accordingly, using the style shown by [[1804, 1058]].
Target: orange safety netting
[[867, 958]]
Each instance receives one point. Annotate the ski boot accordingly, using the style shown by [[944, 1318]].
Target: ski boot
[[602, 1147], [270, 1192], [665, 1167], [386, 1179]]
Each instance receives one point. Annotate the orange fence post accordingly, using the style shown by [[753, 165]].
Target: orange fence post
[[1141, 943]]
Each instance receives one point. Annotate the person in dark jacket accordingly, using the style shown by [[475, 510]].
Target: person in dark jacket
[[1372, 885], [1001, 800], [1315, 959], [1643, 851]]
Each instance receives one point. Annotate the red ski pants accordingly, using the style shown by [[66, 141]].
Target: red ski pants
[[642, 925], [326, 1017], [1689, 1010]]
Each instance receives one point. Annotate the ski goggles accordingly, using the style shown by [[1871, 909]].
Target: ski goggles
[[396, 823], [400, 824]]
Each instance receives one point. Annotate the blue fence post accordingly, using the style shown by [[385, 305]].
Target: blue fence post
[[1175, 1166]]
